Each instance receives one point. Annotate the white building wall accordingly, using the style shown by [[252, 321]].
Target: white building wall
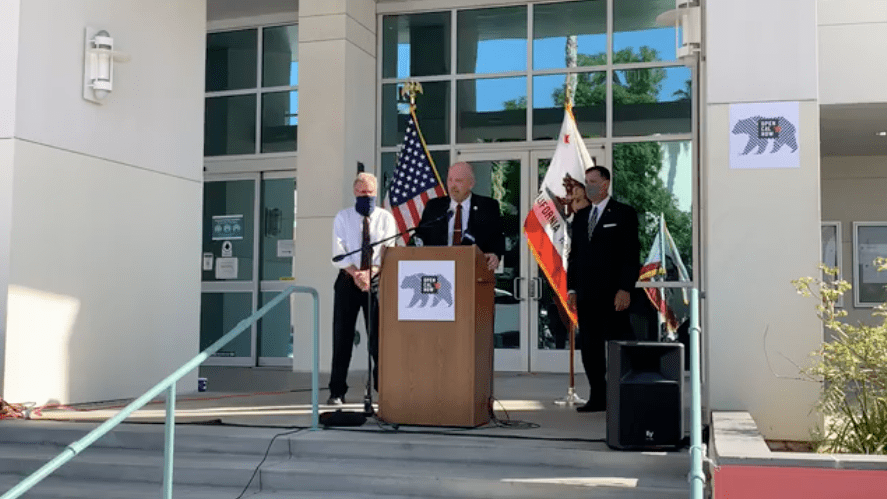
[[9, 19], [761, 227], [852, 42], [853, 190], [106, 214]]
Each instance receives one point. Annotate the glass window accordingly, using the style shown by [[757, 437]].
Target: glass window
[[280, 56], [636, 37], [554, 23], [589, 105], [869, 244], [491, 110], [432, 111], [231, 60], [652, 101], [654, 178], [416, 45], [278, 222], [230, 125], [280, 121], [228, 218], [492, 40], [220, 313], [275, 329], [831, 252]]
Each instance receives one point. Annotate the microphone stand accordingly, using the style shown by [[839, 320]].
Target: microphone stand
[[368, 395]]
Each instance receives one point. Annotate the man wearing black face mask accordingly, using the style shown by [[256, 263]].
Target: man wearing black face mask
[[602, 270], [352, 229]]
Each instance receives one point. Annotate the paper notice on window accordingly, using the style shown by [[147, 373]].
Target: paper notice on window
[[226, 268], [285, 248]]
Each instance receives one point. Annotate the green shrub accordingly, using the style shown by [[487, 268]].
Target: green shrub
[[853, 370]]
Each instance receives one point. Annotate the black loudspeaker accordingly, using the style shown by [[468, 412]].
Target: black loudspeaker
[[645, 387]]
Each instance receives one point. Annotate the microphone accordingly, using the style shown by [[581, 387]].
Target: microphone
[[338, 258], [468, 239]]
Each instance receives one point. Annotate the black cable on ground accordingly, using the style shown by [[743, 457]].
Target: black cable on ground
[[267, 451], [508, 423]]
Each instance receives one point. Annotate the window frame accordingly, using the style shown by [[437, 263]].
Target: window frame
[[258, 91], [839, 255], [857, 301]]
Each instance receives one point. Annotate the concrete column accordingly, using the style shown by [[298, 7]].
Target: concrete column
[[9, 27], [761, 226], [337, 122]]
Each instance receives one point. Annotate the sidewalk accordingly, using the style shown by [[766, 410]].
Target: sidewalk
[[273, 397]]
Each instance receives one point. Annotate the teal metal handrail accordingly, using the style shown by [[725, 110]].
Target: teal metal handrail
[[697, 452], [168, 385]]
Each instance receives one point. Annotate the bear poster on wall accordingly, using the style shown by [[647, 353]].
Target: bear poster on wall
[[426, 290], [764, 135]]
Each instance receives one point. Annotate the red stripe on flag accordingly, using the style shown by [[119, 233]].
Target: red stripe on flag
[[401, 223], [424, 197], [414, 212], [438, 189]]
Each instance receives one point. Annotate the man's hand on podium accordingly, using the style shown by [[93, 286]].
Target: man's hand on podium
[[492, 261]]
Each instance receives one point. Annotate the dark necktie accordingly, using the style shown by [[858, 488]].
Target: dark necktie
[[365, 252], [592, 221], [457, 226]]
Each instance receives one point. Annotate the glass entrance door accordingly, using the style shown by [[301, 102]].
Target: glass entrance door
[[248, 226], [530, 335], [503, 176]]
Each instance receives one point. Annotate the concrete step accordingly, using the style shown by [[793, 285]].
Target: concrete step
[[466, 448], [340, 464], [197, 438], [57, 488], [463, 480]]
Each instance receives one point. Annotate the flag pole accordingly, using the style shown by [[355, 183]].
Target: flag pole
[[660, 317], [571, 399], [410, 89]]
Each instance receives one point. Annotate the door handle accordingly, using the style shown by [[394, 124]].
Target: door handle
[[515, 288], [537, 289]]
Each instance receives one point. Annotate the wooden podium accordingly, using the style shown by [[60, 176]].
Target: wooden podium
[[437, 373]]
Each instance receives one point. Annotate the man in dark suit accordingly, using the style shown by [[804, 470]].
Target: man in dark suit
[[602, 270], [474, 219]]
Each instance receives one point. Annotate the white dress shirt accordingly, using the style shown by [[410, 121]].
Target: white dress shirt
[[348, 234], [466, 207]]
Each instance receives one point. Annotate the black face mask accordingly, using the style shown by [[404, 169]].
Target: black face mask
[[365, 205]]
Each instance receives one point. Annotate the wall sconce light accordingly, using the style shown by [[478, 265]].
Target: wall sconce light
[[687, 16], [98, 64]]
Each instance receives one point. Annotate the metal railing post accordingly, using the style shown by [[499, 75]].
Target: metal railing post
[[315, 371], [697, 477], [169, 441]]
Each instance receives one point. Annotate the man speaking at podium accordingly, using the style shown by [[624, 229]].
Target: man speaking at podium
[[463, 217]]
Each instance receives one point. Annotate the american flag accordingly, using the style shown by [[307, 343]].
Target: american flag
[[414, 182]]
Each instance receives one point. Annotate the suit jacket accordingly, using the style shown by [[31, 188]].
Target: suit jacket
[[484, 224], [610, 260]]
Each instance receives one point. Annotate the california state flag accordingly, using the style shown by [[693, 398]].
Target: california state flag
[[546, 226]]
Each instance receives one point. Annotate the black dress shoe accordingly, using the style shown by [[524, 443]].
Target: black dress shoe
[[335, 401], [592, 407]]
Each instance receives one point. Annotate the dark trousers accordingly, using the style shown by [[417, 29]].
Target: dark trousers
[[599, 323], [347, 302]]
